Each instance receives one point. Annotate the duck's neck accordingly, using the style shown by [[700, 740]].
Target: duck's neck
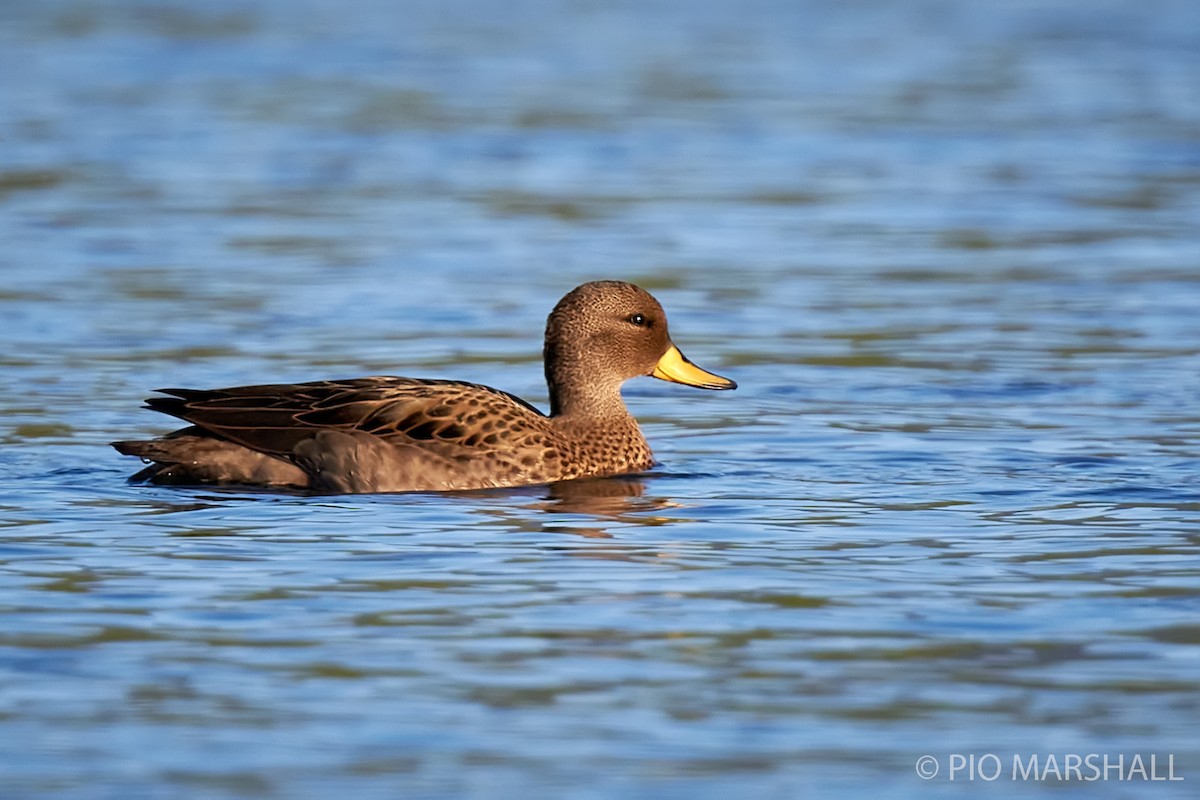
[[586, 407], [587, 402], [577, 393]]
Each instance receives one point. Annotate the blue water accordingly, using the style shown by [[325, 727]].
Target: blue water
[[949, 251]]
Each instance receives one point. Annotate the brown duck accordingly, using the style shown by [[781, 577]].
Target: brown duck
[[389, 434]]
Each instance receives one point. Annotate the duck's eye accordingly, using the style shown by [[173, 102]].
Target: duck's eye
[[639, 320]]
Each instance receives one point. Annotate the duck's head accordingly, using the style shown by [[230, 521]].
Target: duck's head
[[604, 333]]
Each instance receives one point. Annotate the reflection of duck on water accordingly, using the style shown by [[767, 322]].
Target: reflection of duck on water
[[388, 434], [619, 499], [616, 498]]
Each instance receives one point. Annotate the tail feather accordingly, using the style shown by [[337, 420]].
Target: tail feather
[[191, 457], [174, 406], [150, 452], [143, 449]]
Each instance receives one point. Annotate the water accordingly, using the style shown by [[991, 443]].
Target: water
[[948, 250]]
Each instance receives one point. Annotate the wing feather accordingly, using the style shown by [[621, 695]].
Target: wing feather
[[441, 416]]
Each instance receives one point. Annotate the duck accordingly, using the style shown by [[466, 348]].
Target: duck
[[383, 434]]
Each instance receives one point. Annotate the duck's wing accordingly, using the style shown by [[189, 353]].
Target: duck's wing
[[275, 418]]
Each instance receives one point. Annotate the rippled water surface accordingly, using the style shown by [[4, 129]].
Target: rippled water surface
[[950, 251]]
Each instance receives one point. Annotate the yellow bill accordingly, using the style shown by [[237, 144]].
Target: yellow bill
[[674, 366]]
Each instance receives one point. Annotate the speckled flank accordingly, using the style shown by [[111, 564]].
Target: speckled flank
[[391, 434]]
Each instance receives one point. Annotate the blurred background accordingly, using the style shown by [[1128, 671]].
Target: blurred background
[[182, 179], [950, 251]]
